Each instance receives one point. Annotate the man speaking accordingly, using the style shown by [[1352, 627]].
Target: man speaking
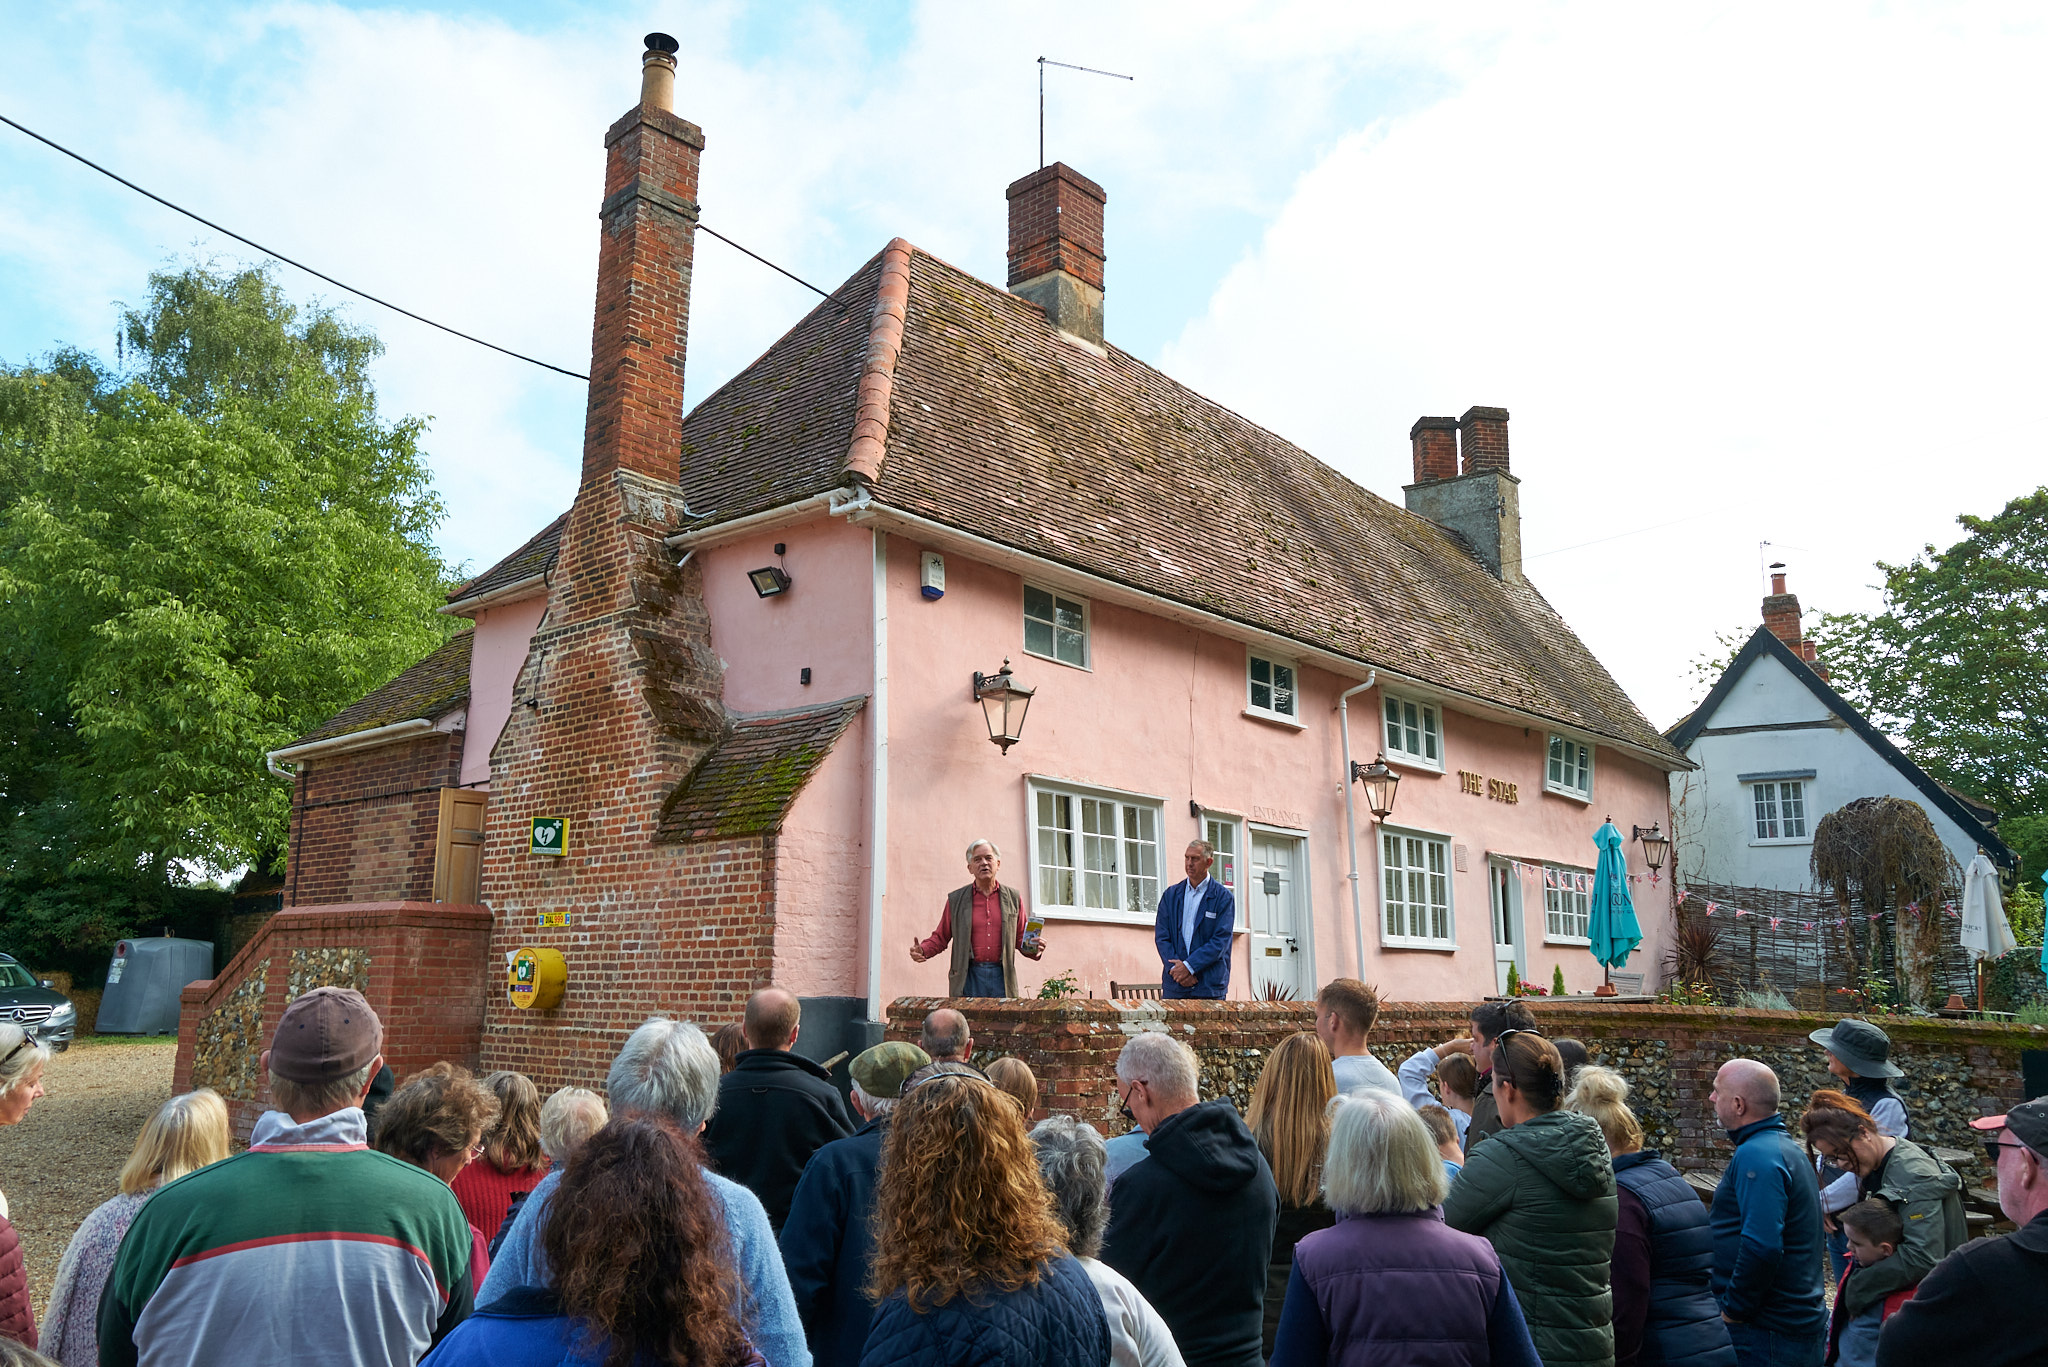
[[984, 924], [1196, 917]]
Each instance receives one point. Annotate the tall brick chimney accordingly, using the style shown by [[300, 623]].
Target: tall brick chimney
[[1056, 248], [644, 260], [1781, 617], [1484, 503], [1435, 441]]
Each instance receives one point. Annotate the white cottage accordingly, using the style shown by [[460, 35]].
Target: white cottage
[[1777, 750]]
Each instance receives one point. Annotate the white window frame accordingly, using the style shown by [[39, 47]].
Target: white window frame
[[1396, 751], [1590, 752], [1252, 709], [1087, 626], [1234, 827], [1567, 906], [1122, 913], [1389, 939], [1752, 784]]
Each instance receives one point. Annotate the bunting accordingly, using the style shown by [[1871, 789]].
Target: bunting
[[1782, 923]]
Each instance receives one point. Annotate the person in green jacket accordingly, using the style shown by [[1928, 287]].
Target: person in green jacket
[[1926, 1192], [1542, 1192]]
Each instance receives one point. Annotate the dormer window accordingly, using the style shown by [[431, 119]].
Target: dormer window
[[1570, 771]]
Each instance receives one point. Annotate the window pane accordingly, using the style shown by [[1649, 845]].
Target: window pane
[[1037, 637], [1262, 671], [1766, 812], [1141, 860], [1098, 853], [1069, 615], [1792, 800], [1037, 603], [1071, 647], [1283, 690], [1055, 850], [1262, 694]]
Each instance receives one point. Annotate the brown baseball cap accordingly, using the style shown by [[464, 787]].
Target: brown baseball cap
[[326, 1034]]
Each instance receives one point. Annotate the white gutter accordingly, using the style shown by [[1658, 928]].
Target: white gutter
[[878, 777], [1052, 572], [512, 592], [754, 522], [341, 745], [1350, 819]]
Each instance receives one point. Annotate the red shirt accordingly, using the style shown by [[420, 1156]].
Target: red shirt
[[988, 928]]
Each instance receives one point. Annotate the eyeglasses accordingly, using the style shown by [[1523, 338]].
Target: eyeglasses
[[476, 1150], [1992, 1146], [1123, 1100]]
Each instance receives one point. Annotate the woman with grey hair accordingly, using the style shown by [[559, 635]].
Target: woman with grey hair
[[1390, 1281], [1070, 1159], [22, 1061]]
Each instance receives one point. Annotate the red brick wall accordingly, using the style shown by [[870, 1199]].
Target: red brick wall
[[1056, 225], [1955, 1070], [363, 824], [416, 963]]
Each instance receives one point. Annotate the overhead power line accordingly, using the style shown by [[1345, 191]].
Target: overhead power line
[[344, 285]]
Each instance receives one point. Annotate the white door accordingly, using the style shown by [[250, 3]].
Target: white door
[[1507, 923], [1274, 914]]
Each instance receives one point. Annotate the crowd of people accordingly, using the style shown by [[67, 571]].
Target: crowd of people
[[1488, 1201]]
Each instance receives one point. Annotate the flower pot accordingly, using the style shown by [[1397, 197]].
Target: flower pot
[[1955, 1002], [1606, 990]]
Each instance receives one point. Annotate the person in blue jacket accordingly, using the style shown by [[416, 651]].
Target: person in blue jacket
[[1196, 917], [1766, 1228]]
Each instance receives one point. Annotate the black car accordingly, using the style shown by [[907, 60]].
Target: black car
[[35, 1006]]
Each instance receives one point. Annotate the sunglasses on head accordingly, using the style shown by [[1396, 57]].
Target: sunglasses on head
[[28, 1041], [1502, 1037]]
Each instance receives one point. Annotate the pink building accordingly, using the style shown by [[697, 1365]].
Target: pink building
[[775, 770]]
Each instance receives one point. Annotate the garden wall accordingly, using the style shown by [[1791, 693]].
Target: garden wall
[[421, 965], [1955, 1070]]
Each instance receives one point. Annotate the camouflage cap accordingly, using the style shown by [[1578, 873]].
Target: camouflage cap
[[880, 1071]]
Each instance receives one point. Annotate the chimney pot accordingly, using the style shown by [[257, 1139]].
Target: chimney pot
[[1435, 442], [658, 73], [1056, 255], [1484, 436]]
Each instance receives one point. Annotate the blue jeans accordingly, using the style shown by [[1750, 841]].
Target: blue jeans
[[983, 980], [1838, 1255], [1756, 1347]]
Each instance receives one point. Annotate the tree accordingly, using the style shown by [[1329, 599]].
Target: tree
[[1956, 665], [205, 550]]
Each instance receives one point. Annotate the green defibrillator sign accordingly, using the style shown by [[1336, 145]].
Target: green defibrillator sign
[[550, 835]]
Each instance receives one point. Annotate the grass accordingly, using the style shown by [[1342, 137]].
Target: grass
[[2032, 1013], [117, 1041]]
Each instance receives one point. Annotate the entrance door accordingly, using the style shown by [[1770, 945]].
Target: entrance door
[[1274, 913], [1507, 923]]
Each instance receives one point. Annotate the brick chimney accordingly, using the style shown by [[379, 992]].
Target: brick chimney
[[1056, 248], [1484, 503], [645, 255], [1781, 617], [1435, 441]]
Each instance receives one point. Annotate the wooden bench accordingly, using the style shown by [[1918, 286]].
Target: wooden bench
[[1703, 1183], [1141, 991]]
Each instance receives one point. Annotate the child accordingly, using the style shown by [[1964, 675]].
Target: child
[[1456, 1078], [1438, 1122], [1874, 1230]]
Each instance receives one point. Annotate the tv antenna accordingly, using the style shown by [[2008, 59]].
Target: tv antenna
[[1043, 63]]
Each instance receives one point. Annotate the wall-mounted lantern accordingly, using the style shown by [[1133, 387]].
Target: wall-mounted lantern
[[1380, 781], [771, 580], [1003, 704], [1656, 845]]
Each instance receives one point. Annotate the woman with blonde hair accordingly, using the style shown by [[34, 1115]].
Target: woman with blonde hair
[[512, 1162], [1014, 1078], [971, 1263], [22, 1061], [1664, 1306], [1390, 1282], [186, 1133], [1290, 1120]]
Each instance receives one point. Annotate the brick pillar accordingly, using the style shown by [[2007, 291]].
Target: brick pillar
[[1436, 448], [1484, 434], [1781, 615], [1056, 255], [645, 251]]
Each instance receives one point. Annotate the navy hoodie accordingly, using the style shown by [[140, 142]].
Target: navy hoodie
[[1191, 1226]]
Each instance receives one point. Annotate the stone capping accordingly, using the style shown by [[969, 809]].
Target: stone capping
[[1956, 1070]]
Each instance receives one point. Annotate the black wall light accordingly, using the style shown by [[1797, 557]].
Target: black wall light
[[771, 580]]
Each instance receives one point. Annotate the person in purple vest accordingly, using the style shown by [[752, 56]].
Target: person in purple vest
[[1390, 1282], [1196, 917]]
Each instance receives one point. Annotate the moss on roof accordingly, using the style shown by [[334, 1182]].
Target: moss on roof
[[749, 780], [433, 687]]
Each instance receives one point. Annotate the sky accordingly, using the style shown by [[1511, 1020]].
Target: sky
[[1757, 282]]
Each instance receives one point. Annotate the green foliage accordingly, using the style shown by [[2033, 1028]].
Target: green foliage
[[1514, 982], [1764, 999], [1557, 987], [1679, 992], [202, 556], [2023, 913], [1956, 665], [1059, 987], [2032, 1013]]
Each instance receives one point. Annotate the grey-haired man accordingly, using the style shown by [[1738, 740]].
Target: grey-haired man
[[984, 925]]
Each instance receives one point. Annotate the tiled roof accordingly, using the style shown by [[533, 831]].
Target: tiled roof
[[537, 556], [431, 688], [1000, 428], [746, 784]]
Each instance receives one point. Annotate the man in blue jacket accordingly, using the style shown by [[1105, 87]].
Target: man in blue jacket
[[1196, 917], [1766, 1228]]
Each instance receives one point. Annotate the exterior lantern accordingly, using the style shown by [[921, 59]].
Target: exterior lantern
[[1656, 845], [1380, 781], [1003, 704]]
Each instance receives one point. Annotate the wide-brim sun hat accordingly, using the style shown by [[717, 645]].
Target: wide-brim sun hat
[[1865, 1049]]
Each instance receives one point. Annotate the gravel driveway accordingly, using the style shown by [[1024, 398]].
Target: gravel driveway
[[66, 1156]]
